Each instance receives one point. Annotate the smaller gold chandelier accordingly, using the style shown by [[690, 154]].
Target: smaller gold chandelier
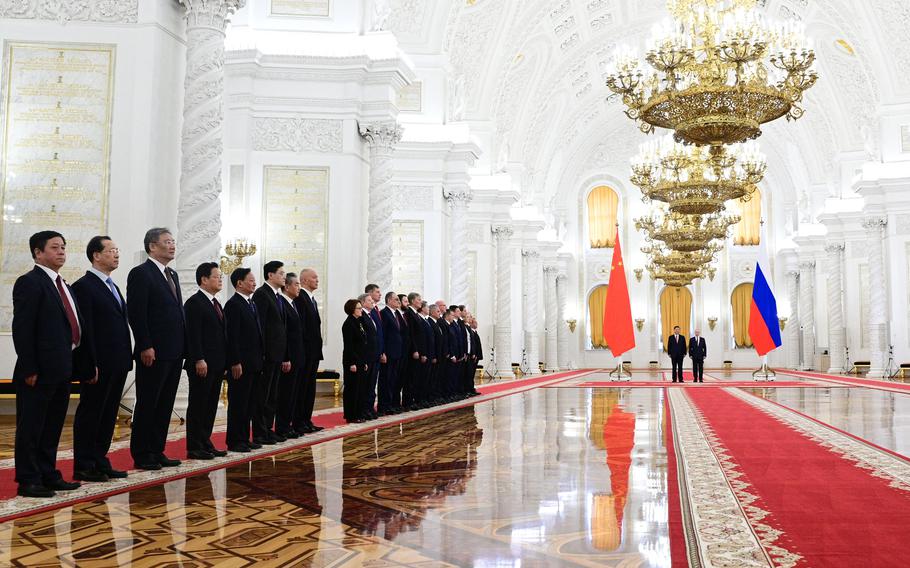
[[681, 262], [686, 233]]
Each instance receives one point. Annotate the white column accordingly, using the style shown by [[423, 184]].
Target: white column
[[878, 309], [531, 276], [199, 204], [793, 331], [551, 356], [458, 200], [807, 311], [562, 330], [381, 137], [503, 337], [837, 339]]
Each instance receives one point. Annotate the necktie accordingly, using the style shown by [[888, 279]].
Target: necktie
[[253, 307], [170, 282], [70, 312], [218, 309], [110, 284], [280, 305], [401, 322]]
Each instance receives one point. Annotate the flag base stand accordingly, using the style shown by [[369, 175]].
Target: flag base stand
[[765, 373], [620, 374]]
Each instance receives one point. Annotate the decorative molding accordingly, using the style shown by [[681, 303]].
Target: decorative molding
[[273, 134], [530, 255], [63, 11], [381, 134], [835, 247], [414, 197], [503, 233], [474, 233]]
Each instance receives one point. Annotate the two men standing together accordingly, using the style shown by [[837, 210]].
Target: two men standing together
[[678, 348]]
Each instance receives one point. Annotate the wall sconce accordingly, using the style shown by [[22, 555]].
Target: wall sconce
[[640, 323], [237, 250], [638, 272], [783, 323], [572, 323], [711, 273], [711, 323]]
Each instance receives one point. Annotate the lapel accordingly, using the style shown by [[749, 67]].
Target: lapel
[[162, 281], [102, 288], [51, 288]]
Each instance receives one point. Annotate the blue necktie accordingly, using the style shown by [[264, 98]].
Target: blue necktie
[[110, 284]]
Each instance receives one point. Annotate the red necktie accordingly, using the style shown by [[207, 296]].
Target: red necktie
[[218, 309], [70, 313]]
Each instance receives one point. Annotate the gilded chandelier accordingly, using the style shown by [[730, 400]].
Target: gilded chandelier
[[697, 180], [686, 233], [718, 72]]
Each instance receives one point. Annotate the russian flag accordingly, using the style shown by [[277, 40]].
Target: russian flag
[[764, 328]]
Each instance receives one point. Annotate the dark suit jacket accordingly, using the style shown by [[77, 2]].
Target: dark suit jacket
[[106, 322], [41, 331], [406, 346], [271, 316], [372, 334], [155, 315], [698, 348], [312, 325], [295, 335], [477, 345], [206, 335], [441, 338], [391, 334], [417, 332], [676, 348], [380, 331], [244, 335], [455, 341], [430, 337], [355, 343], [463, 337]]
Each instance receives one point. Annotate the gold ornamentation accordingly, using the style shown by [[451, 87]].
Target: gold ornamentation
[[712, 323], [235, 251], [572, 323], [639, 323], [783, 323]]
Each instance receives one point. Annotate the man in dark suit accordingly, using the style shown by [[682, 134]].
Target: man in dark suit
[[311, 324], [245, 359], [206, 361], [104, 311], [392, 348], [476, 355], [406, 366], [698, 350], [419, 361], [438, 365], [275, 339], [47, 328], [454, 355], [289, 383], [677, 349], [156, 315], [375, 294], [365, 391]]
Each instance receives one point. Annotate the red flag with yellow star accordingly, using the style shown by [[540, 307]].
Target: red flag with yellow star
[[618, 332]]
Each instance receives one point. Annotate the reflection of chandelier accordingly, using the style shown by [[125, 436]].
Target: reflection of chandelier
[[720, 71], [695, 180], [685, 233]]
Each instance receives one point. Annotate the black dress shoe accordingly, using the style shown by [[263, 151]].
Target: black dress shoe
[[242, 449], [150, 466], [115, 473], [217, 453], [35, 490], [200, 455], [315, 428], [61, 485], [167, 462], [277, 438], [90, 475], [290, 435], [263, 442], [254, 445]]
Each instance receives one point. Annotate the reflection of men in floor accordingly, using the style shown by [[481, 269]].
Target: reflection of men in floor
[[619, 435], [677, 350]]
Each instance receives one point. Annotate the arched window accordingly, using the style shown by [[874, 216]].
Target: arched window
[[603, 206], [741, 302], [596, 302], [748, 230], [675, 309]]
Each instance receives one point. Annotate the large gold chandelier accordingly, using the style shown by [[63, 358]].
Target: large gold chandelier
[[697, 180], [719, 71], [686, 233]]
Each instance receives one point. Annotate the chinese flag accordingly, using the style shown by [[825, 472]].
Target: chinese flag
[[618, 331]]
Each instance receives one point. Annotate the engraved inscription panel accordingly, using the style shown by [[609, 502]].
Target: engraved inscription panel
[[319, 8], [56, 152], [407, 256], [409, 97]]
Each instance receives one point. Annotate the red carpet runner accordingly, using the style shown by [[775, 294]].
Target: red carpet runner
[[813, 495]]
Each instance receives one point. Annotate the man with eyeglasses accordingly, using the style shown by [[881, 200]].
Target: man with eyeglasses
[[104, 309]]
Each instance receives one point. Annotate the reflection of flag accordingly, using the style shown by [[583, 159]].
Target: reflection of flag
[[619, 439], [617, 326], [763, 324]]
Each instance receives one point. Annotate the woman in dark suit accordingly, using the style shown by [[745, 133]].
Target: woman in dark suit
[[354, 360]]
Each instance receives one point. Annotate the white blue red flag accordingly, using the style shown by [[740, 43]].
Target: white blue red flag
[[764, 328]]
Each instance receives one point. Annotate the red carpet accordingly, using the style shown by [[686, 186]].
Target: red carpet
[[658, 384], [678, 556], [121, 459], [831, 511], [871, 383]]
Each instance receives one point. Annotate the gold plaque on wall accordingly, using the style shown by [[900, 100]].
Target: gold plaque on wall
[[905, 138], [407, 257], [302, 8], [56, 124], [409, 97]]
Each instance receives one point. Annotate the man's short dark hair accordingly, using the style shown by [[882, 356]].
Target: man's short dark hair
[[411, 296], [95, 244], [389, 295], [461, 308], [204, 270], [153, 235], [370, 287], [675, 327], [271, 267], [402, 297], [39, 240], [453, 307], [289, 275], [238, 275]]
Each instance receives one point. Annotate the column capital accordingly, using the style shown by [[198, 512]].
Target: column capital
[[793, 272], [561, 276], [381, 134], [837, 247], [531, 255], [876, 223], [807, 264], [458, 197], [211, 14], [503, 232], [551, 269]]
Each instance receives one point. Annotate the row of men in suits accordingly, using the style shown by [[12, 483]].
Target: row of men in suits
[[408, 355], [695, 348]]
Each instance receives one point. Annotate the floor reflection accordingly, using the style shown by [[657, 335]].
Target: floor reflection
[[550, 477]]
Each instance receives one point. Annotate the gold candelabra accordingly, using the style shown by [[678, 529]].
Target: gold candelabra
[[712, 323], [783, 323], [639, 323], [572, 323], [236, 250], [638, 273]]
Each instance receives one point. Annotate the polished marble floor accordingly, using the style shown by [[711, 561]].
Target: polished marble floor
[[548, 477]]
